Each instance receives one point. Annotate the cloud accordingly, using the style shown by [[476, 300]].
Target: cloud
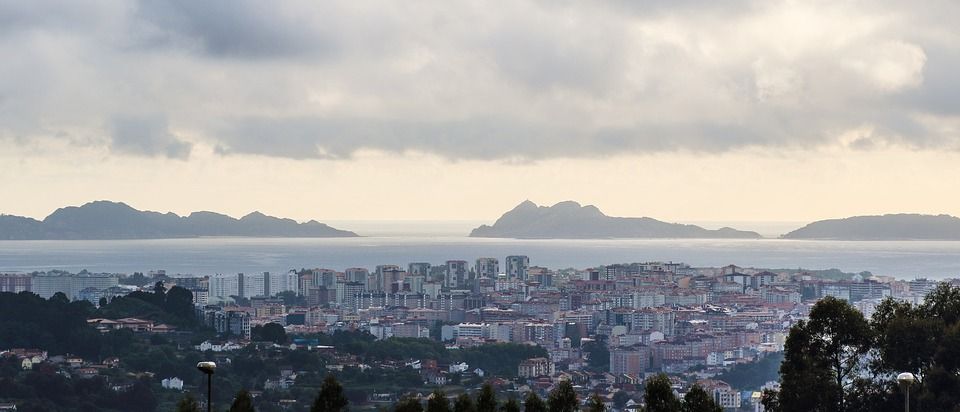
[[147, 136], [525, 80]]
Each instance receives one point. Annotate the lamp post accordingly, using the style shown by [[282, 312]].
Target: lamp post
[[906, 379], [208, 368]]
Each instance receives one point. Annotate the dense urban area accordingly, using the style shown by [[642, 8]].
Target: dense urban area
[[393, 335]]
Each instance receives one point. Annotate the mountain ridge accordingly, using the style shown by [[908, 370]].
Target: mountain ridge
[[104, 219], [895, 226], [570, 220]]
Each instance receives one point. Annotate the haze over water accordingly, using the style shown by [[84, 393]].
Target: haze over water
[[904, 259]]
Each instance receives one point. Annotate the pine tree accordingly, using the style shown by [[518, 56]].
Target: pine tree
[[188, 404], [408, 404], [698, 400], [511, 405], [658, 395], [437, 402], [464, 404], [487, 399], [596, 404], [330, 398], [243, 402], [563, 398], [533, 403]]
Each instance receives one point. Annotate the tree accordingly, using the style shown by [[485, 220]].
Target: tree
[[437, 402], [179, 302], [658, 395], [595, 404], [188, 404], [563, 398], [511, 405], [533, 403], [620, 399], [821, 357], [242, 403], [487, 399], [464, 403], [842, 336], [159, 290], [698, 400], [270, 332], [330, 397], [805, 381], [598, 355], [139, 397], [408, 404]]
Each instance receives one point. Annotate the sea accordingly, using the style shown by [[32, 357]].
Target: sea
[[405, 242]]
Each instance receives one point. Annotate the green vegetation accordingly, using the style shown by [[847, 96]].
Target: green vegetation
[[659, 397], [242, 403], [331, 397], [598, 355], [563, 398], [826, 367], [437, 402], [533, 403], [271, 332], [751, 376], [595, 404]]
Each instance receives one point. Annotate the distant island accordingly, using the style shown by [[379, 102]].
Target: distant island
[[115, 220], [570, 220], [885, 227]]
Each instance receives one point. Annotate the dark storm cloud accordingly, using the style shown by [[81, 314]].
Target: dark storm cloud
[[241, 28], [146, 136], [523, 80]]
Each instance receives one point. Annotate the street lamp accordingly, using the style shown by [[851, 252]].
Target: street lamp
[[906, 379], [208, 368]]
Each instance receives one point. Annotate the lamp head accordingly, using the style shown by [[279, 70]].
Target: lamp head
[[207, 367], [906, 378]]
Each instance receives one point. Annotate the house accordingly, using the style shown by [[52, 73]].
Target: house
[[74, 362], [172, 383], [87, 372], [458, 367]]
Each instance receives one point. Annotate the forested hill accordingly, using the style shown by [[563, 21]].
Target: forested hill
[[885, 227], [114, 220]]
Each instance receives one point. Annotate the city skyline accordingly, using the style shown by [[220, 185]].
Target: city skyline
[[749, 111]]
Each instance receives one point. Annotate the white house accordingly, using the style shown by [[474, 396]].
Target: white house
[[172, 383]]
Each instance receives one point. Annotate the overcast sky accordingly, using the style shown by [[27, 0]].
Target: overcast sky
[[679, 110]]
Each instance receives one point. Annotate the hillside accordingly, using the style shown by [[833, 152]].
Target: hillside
[[570, 220], [114, 220], [885, 227]]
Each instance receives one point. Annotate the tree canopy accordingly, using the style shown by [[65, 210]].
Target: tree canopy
[[330, 397], [838, 361]]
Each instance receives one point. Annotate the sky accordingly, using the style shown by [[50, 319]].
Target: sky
[[686, 110]]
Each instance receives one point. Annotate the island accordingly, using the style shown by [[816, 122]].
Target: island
[[570, 220], [902, 226], [117, 220]]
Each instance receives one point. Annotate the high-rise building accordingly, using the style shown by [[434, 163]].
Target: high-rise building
[[357, 275], [634, 360], [487, 267], [415, 283], [255, 285], [418, 269], [516, 267], [377, 282], [351, 294], [222, 286], [456, 273], [47, 285], [14, 282]]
